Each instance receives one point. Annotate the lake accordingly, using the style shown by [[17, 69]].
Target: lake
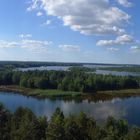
[[128, 108]]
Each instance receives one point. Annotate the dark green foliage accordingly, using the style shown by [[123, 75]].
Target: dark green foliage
[[72, 130], [55, 130], [41, 83], [5, 117], [130, 82], [26, 126], [116, 129], [23, 82], [133, 134]]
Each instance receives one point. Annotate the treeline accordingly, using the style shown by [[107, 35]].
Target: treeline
[[68, 80], [25, 125], [123, 69], [24, 64]]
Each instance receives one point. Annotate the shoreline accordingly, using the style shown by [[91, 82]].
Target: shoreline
[[47, 93], [40, 93]]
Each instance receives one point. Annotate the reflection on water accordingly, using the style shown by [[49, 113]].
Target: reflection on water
[[118, 108]]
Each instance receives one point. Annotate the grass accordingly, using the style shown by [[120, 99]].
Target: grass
[[53, 93], [40, 93]]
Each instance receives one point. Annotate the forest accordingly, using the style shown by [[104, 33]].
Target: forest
[[78, 80], [23, 124]]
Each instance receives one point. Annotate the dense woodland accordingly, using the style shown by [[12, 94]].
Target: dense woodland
[[25, 125], [75, 80]]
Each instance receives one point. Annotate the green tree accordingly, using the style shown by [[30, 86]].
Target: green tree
[[133, 134], [72, 130], [55, 129], [25, 126], [5, 117]]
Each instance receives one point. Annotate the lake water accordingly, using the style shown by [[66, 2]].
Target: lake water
[[65, 68], [128, 108], [116, 73], [57, 68]]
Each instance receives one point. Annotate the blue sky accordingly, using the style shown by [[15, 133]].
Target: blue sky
[[96, 31]]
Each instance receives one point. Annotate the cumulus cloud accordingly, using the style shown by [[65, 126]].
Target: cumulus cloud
[[70, 48], [135, 49], [35, 46], [125, 3], [120, 40], [89, 17]]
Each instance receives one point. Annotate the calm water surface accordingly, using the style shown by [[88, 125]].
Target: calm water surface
[[57, 68], [119, 108], [116, 73]]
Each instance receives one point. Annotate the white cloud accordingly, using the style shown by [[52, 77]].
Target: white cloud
[[135, 49], [89, 17], [112, 49], [39, 14], [70, 48], [34, 5], [48, 22], [35, 45], [8, 44], [120, 40], [125, 3], [25, 35]]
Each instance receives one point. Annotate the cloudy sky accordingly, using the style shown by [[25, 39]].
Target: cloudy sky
[[98, 31]]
